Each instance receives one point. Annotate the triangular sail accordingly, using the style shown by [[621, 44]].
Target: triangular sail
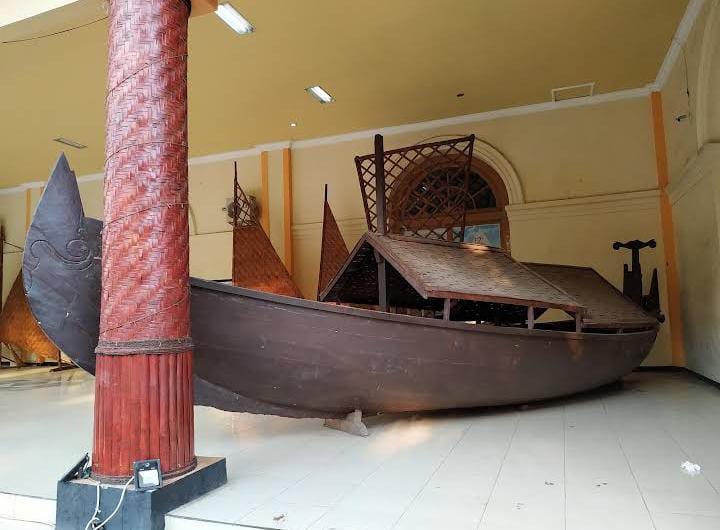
[[256, 265], [20, 331], [333, 251]]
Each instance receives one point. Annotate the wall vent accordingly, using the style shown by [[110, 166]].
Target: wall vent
[[583, 90]]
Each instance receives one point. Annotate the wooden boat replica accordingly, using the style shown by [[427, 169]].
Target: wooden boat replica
[[451, 324]]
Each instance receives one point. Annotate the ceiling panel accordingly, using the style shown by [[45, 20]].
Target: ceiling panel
[[386, 62]]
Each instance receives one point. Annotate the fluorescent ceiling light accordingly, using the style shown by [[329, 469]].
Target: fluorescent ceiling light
[[320, 94], [232, 18], [68, 141]]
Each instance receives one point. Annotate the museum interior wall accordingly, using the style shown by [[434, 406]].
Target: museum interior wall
[[692, 121], [578, 179]]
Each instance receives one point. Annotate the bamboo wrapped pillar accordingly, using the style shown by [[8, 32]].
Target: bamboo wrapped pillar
[[144, 396]]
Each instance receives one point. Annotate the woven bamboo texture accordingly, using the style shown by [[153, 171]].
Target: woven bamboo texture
[[20, 331], [333, 251], [606, 307], [460, 271], [256, 265], [422, 195], [143, 406]]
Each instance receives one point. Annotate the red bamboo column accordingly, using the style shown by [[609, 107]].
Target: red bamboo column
[[143, 389]]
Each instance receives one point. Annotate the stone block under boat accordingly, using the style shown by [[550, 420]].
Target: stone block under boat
[[272, 354]]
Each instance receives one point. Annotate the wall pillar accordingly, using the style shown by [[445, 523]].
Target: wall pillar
[[144, 393], [288, 210], [668, 233]]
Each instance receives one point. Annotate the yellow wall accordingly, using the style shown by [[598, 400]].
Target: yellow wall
[[585, 178], [12, 217], [694, 161]]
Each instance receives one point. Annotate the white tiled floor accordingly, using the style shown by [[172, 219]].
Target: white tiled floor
[[608, 460], [12, 524]]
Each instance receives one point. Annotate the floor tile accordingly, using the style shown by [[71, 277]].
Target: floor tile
[[9, 524], [601, 491], [284, 516], [530, 492], [686, 522], [608, 460]]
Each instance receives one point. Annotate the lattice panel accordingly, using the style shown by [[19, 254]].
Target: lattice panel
[[426, 188], [245, 211]]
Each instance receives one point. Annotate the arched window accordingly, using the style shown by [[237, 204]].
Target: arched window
[[486, 220], [424, 199]]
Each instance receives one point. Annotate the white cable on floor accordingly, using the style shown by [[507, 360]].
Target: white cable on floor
[[97, 507]]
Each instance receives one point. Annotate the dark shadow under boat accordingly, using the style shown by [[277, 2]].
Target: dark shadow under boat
[[272, 354]]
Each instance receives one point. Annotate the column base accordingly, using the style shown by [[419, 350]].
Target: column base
[[140, 510]]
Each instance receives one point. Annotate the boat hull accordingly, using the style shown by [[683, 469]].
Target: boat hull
[[271, 354], [329, 360]]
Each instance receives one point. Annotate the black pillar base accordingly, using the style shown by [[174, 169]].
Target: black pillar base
[[140, 510]]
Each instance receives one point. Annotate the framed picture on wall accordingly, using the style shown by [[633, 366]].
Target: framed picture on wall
[[484, 234]]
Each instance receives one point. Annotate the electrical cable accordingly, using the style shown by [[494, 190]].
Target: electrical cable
[[14, 246], [97, 508], [55, 33], [91, 524]]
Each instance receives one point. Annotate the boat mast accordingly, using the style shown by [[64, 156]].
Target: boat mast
[[144, 393], [380, 209]]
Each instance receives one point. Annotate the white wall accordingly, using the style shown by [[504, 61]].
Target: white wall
[[694, 160]]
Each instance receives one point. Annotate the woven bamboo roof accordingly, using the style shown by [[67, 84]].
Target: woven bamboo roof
[[439, 270], [606, 307]]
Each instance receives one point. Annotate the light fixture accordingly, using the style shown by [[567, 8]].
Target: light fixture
[[293, 124], [68, 141], [232, 18], [148, 475], [320, 94]]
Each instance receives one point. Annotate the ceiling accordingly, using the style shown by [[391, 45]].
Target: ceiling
[[387, 62]]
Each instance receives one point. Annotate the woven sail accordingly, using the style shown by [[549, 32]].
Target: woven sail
[[256, 265], [19, 329], [333, 251]]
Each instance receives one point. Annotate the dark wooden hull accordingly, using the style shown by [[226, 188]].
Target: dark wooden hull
[[271, 354], [320, 360]]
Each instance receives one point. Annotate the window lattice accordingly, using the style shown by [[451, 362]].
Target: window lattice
[[426, 188]]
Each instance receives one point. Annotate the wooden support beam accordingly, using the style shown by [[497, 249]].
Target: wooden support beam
[[28, 206], [382, 282], [531, 317], [288, 210], [380, 183], [264, 193], [446, 308], [203, 7], [668, 233]]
